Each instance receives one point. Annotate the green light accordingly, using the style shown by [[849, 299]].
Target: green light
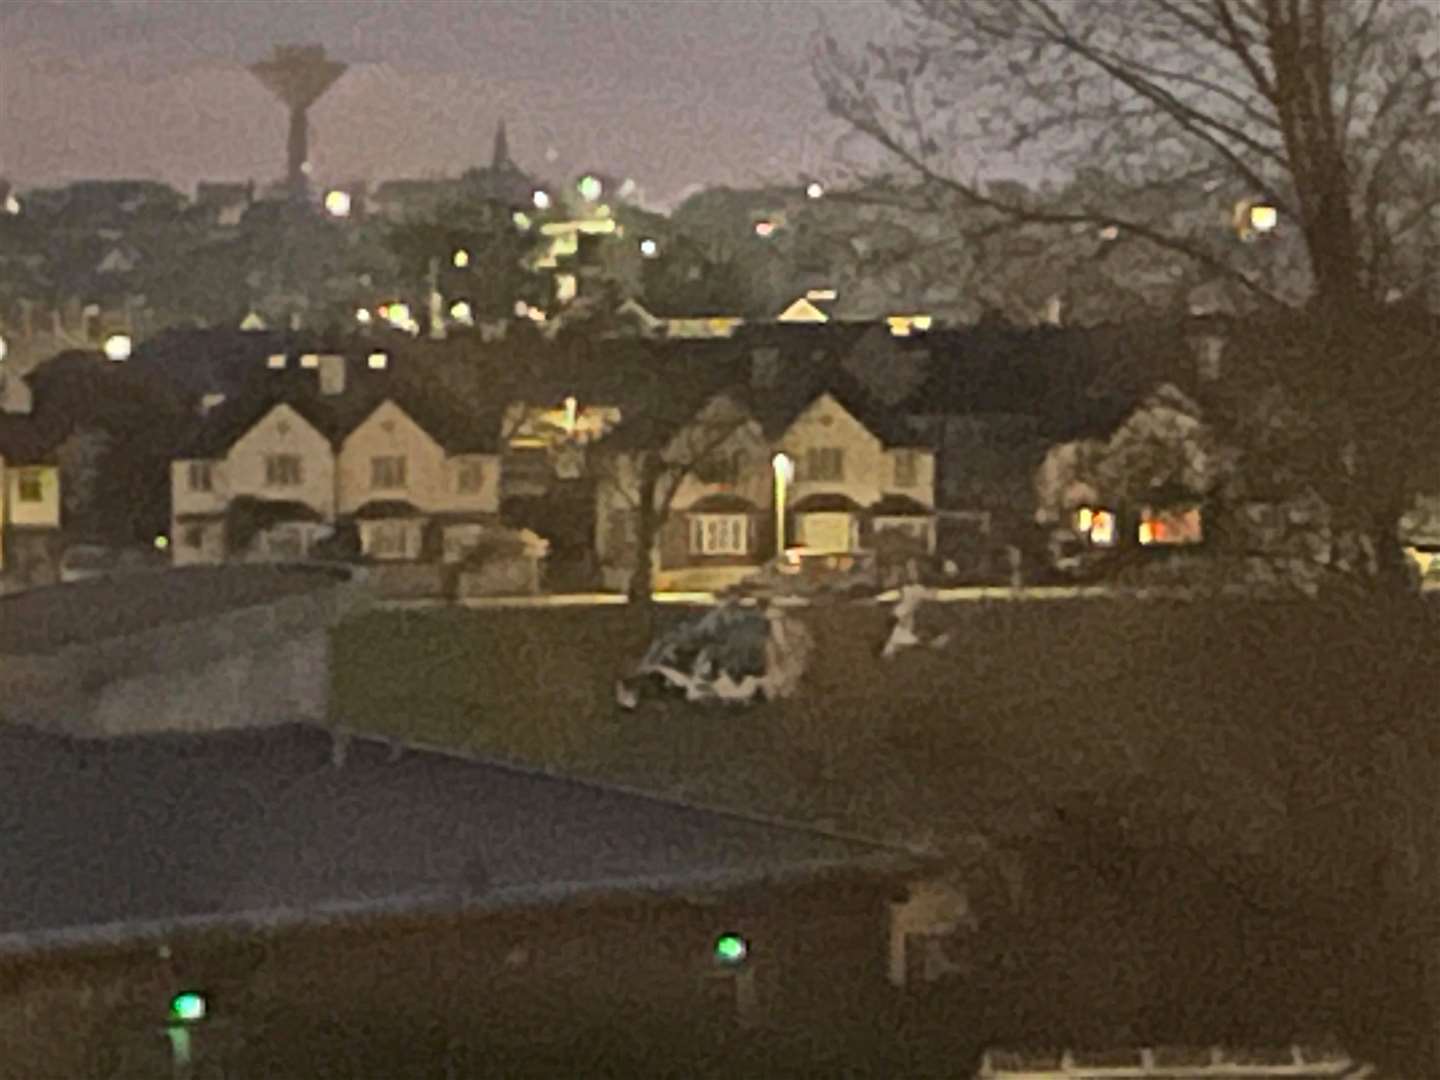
[[187, 1007], [730, 949], [590, 188]]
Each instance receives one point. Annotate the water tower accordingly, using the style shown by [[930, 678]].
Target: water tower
[[298, 75]]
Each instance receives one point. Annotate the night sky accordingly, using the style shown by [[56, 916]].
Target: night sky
[[674, 94]]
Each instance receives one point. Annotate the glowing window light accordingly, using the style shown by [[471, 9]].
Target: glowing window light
[[12, 204], [188, 1007], [4, 348], [337, 203], [117, 347], [362, 316], [541, 199], [310, 360], [922, 322], [275, 362], [1263, 218], [378, 361], [649, 248], [1102, 528], [565, 287], [730, 949], [571, 413], [461, 312], [815, 190], [535, 314], [521, 309], [461, 259], [1110, 232], [1084, 519], [399, 315], [590, 188]]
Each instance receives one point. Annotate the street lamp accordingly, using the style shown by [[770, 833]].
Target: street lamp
[[541, 200], [117, 347], [815, 190], [461, 259], [590, 188], [784, 474], [649, 248], [337, 203]]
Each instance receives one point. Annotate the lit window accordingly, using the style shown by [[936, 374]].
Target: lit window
[[1263, 218], [201, 476], [462, 313], [823, 464], [31, 486], [387, 473], [1177, 526], [283, 470], [461, 259], [565, 287], [472, 477], [276, 361], [310, 360], [907, 468], [117, 347], [764, 228], [1102, 528], [378, 361], [193, 537], [719, 534]]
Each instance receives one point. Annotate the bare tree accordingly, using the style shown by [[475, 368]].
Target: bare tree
[[1180, 113], [647, 477]]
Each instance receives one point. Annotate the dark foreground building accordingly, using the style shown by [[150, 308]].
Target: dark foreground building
[[411, 915]]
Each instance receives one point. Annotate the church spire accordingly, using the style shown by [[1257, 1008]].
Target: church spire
[[500, 159]]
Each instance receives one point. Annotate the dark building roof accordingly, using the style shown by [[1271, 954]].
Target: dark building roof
[[143, 834], [458, 427], [380, 509], [826, 503], [893, 504], [25, 440]]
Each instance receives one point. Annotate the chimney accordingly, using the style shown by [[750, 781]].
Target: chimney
[[332, 374], [765, 368]]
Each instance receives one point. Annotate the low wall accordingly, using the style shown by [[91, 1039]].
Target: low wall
[[507, 577], [263, 663], [406, 580]]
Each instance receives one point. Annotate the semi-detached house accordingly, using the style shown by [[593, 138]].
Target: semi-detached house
[[326, 440]]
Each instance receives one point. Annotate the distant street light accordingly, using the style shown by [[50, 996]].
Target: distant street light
[[542, 200], [362, 316], [649, 248], [187, 1007], [784, 474], [461, 259], [1263, 218], [815, 190], [378, 361], [337, 203], [522, 220], [12, 204], [461, 312], [117, 347], [764, 228], [590, 188]]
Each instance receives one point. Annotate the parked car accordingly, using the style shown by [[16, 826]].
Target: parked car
[[813, 574], [84, 562]]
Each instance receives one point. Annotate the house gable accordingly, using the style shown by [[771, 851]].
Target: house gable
[[283, 431], [390, 432]]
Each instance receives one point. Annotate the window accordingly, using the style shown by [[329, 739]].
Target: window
[[719, 534], [201, 476], [32, 487], [907, 468], [193, 537], [283, 470], [823, 464], [472, 477], [388, 541], [387, 472]]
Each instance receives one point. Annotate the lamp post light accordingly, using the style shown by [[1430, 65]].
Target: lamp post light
[[784, 475]]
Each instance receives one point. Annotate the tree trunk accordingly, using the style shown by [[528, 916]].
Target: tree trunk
[[642, 583]]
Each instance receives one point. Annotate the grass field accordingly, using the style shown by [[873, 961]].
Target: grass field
[[1197, 793]]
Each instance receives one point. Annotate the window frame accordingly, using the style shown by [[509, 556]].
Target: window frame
[[719, 534], [378, 465], [907, 468], [197, 471], [277, 464], [30, 486], [470, 468], [810, 470]]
